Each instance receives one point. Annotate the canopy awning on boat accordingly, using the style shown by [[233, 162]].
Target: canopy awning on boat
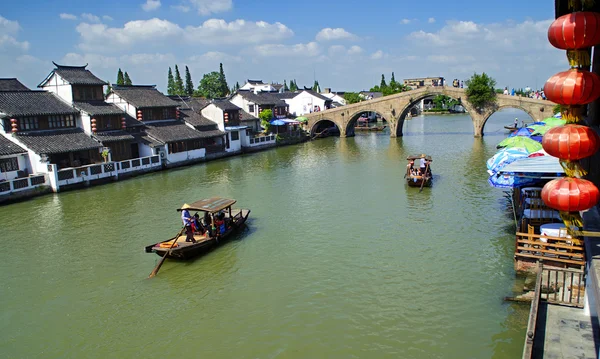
[[530, 165], [416, 157], [214, 204]]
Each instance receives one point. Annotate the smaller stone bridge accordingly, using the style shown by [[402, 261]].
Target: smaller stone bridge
[[394, 109]]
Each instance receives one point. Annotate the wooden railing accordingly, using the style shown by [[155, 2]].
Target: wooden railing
[[566, 251], [533, 314]]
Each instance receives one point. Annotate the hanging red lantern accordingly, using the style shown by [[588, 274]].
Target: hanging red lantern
[[573, 87], [571, 142], [93, 125], [14, 125], [139, 115], [123, 123], [577, 30], [226, 117], [570, 194]]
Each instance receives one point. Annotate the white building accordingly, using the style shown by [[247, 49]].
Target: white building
[[307, 101], [258, 86]]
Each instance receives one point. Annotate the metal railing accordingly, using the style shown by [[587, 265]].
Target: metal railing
[[22, 184]]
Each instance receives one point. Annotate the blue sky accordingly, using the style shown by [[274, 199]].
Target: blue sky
[[346, 45]]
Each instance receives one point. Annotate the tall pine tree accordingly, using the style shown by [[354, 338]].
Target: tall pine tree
[[285, 87], [126, 79], [316, 86], [293, 86], [224, 86], [382, 85], [179, 90], [120, 80], [237, 85], [189, 85], [170, 83], [393, 80]]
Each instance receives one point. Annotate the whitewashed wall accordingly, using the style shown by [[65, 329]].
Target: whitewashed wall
[[303, 102], [186, 156], [235, 146], [60, 87], [214, 114], [146, 150], [122, 104], [241, 102]]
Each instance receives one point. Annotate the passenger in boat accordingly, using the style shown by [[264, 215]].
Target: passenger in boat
[[197, 225], [422, 165], [411, 167], [187, 220]]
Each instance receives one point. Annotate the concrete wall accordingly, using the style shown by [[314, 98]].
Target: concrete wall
[[146, 150], [235, 146], [214, 114], [60, 87], [239, 101], [174, 158]]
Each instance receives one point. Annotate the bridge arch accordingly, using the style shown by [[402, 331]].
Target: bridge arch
[[353, 118], [318, 127], [489, 114]]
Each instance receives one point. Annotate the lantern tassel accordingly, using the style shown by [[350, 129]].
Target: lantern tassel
[[573, 168], [579, 57], [571, 221], [572, 113]]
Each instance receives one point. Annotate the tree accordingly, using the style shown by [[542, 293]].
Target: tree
[[382, 85], [211, 86], [179, 90], [189, 85], [316, 86], [293, 86], [237, 85], [120, 80], [443, 102], [285, 86], [108, 88], [393, 79], [127, 80], [265, 119], [170, 83], [352, 97], [480, 91], [224, 86]]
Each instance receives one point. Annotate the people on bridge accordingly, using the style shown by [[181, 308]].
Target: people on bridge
[[505, 91]]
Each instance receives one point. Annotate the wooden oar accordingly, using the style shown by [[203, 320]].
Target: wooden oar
[[160, 263], [423, 178]]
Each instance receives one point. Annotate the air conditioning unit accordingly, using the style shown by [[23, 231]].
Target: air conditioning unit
[[162, 154]]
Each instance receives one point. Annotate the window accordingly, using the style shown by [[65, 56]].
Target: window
[[251, 108], [235, 135], [28, 123], [60, 121], [9, 164]]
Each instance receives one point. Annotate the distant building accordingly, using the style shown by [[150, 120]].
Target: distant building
[[415, 83], [259, 86]]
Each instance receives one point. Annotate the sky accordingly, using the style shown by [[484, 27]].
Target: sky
[[345, 45]]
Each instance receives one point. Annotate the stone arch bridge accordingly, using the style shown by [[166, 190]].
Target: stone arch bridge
[[394, 109]]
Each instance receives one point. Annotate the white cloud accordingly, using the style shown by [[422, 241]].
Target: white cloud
[[181, 8], [94, 61], [157, 33], [66, 16], [145, 59], [214, 57], [107, 18], [354, 50], [150, 5], [377, 55], [337, 50], [8, 32], [329, 34], [90, 17], [271, 50], [406, 21], [207, 7], [431, 20]]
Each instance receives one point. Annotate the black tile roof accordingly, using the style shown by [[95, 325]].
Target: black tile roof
[[144, 96], [98, 108], [317, 95], [255, 82], [12, 85], [225, 105], [113, 136], [195, 119], [7, 147], [172, 131], [188, 102], [245, 116], [132, 122], [58, 141], [74, 75], [32, 103], [146, 140]]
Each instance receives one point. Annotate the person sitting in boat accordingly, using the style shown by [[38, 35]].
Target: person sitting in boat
[[411, 167], [197, 225], [208, 224], [187, 220], [516, 123]]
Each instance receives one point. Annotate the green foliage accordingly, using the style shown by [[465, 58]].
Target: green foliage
[[189, 85], [480, 91], [210, 86], [265, 119], [108, 88], [499, 91], [316, 86], [120, 79], [392, 88], [179, 89], [352, 97], [382, 85], [126, 79], [293, 86], [224, 86], [443, 102], [170, 83], [285, 86]]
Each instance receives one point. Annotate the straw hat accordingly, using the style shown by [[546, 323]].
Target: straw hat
[[423, 156], [185, 206]]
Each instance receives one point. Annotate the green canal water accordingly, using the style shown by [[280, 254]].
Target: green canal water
[[340, 258]]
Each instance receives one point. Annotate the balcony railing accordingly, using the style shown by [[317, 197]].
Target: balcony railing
[[261, 140], [22, 184], [139, 164], [80, 174]]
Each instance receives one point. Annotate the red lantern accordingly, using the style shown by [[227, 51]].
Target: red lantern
[[123, 123], [139, 115], [226, 117], [571, 142], [14, 125], [573, 87], [577, 30], [570, 194], [177, 113]]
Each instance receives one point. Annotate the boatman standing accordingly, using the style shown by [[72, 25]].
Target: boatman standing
[[187, 220], [422, 165]]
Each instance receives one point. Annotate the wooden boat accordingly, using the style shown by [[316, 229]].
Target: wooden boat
[[418, 180], [511, 128], [233, 220], [371, 128]]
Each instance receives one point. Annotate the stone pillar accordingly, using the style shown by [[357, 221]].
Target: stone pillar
[[478, 123], [53, 177]]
